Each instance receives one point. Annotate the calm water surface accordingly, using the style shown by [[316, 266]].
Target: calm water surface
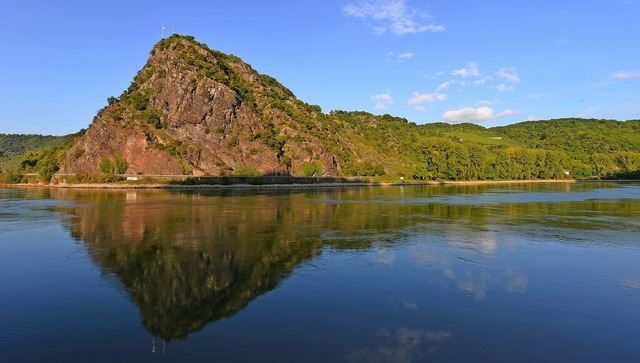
[[489, 273]]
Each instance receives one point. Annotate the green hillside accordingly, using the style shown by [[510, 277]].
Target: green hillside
[[12, 145], [576, 136], [40, 154]]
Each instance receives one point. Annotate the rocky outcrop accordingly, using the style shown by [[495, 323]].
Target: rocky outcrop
[[195, 111]]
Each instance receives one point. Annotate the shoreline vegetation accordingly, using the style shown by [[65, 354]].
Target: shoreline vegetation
[[319, 183]]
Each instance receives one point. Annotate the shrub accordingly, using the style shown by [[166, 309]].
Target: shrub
[[106, 166], [11, 177], [120, 165], [47, 170], [152, 118], [246, 171]]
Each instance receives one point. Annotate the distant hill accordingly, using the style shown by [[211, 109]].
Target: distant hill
[[195, 111], [576, 136], [12, 145]]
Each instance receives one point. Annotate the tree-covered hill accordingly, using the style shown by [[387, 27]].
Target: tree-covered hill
[[12, 145], [40, 154], [576, 136]]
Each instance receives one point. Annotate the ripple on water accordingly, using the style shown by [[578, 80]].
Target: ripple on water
[[30, 330]]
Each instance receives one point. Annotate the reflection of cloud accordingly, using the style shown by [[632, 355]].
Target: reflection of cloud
[[386, 257], [406, 345], [466, 271], [474, 284], [632, 283], [410, 305], [479, 241], [516, 282], [424, 257]]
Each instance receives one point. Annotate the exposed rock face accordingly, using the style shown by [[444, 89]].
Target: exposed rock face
[[195, 111]]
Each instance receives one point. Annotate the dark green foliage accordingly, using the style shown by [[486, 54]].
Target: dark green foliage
[[106, 166], [269, 136], [116, 166], [47, 170], [139, 100], [312, 169], [246, 171], [120, 165], [576, 136], [151, 117], [11, 177], [365, 168]]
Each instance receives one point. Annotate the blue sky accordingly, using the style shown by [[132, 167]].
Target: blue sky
[[491, 62]]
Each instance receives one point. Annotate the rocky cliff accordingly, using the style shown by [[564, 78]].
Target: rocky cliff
[[191, 110]]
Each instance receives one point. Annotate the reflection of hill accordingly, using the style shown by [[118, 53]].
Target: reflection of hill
[[187, 261], [190, 259]]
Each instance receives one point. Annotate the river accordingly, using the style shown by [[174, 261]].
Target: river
[[451, 273]]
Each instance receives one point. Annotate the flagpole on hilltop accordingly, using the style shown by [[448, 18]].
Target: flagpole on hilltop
[[163, 28]]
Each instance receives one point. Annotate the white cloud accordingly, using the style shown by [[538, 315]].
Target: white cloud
[[505, 113], [587, 112], [480, 81], [539, 95], [532, 118], [470, 114], [503, 87], [471, 70], [383, 101], [626, 75], [445, 85], [392, 15], [509, 74], [419, 99], [398, 58]]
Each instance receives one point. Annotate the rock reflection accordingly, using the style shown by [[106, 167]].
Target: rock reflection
[[187, 262]]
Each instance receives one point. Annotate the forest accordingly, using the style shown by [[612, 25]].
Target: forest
[[552, 149]]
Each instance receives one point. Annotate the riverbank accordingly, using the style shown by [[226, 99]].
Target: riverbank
[[167, 186]]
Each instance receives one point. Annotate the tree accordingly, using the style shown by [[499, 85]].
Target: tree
[[603, 165], [106, 166], [120, 165]]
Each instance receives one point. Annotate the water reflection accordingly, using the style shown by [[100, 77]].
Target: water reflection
[[404, 345], [189, 259], [185, 260]]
